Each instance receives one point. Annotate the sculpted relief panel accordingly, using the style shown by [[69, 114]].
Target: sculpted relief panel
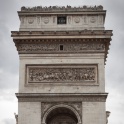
[[62, 47], [62, 74]]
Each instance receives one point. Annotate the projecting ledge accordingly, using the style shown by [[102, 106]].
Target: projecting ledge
[[54, 97]]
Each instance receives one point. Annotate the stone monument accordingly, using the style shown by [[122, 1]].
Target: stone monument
[[62, 53]]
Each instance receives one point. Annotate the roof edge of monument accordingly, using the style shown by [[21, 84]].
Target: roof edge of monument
[[69, 32], [62, 8], [55, 97]]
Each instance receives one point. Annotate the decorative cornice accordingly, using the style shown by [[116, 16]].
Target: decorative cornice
[[35, 39], [52, 97], [61, 8], [61, 33]]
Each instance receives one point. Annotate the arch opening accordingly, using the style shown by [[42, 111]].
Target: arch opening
[[61, 115]]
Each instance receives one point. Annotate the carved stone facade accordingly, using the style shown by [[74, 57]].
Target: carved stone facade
[[80, 18], [43, 21], [74, 73], [67, 47], [62, 52], [77, 106]]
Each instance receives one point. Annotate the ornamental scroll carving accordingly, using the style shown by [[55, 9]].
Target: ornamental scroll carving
[[77, 19], [62, 74], [55, 47]]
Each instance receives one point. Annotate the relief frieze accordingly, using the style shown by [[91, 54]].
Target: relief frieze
[[56, 74], [37, 47], [56, 47]]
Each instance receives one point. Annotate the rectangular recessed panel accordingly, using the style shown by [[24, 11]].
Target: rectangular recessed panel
[[86, 74]]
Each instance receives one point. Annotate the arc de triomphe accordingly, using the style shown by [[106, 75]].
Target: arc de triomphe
[[62, 52]]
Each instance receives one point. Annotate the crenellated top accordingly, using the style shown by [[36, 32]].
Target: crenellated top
[[56, 18], [62, 8]]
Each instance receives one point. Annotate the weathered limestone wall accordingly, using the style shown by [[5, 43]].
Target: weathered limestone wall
[[77, 18], [48, 23], [62, 64], [29, 113], [97, 60], [94, 113]]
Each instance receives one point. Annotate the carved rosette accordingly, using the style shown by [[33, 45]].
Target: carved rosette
[[62, 74], [46, 20], [77, 19], [92, 19], [31, 20]]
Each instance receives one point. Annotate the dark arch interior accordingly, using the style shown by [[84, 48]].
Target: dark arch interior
[[61, 115]]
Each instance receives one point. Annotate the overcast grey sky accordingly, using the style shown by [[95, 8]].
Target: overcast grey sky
[[9, 60]]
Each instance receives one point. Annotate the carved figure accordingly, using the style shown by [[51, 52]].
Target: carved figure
[[77, 19], [107, 116], [16, 117], [61, 74]]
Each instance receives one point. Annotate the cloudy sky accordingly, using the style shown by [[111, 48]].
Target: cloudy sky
[[9, 60]]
